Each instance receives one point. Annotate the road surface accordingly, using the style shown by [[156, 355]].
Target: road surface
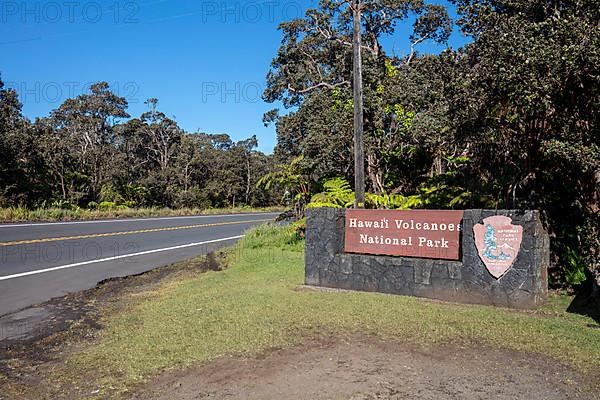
[[40, 261]]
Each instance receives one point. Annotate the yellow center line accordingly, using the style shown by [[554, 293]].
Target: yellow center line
[[97, 235]]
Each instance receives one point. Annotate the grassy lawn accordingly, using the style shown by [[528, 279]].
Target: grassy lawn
[[21, 214], [254, 305]]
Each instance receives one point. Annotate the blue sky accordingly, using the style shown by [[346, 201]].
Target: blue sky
[[205, 61]]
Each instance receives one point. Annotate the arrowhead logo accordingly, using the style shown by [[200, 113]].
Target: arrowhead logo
[[498, 243]]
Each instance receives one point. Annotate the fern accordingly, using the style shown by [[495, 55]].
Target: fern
[[337, 194]]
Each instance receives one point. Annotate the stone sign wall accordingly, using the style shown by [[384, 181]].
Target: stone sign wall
[[503, 259]]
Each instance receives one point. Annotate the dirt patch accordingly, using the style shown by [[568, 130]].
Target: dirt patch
[[368, 369], [40, 335]]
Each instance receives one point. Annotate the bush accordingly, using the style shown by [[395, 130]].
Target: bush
[[129, 204], [575, 267], [136, 196], [63, 205], [589, 238], [110, 194], [193, 198], [107, 206], [299, 228]]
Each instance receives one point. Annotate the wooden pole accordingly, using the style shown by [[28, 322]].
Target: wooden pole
[[359, 150]]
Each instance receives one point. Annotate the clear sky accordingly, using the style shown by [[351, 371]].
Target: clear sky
[[205, 61]]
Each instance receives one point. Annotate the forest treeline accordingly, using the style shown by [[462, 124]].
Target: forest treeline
[[90, 153], [509, 121]]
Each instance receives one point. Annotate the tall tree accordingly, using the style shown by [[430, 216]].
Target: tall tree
[[314, 65], [21, 180], [87, 123], [535, 128], [10, 123], [161, 135], [247, 147]]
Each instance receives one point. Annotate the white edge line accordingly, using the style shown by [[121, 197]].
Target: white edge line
[[105, 221], [43, 271]]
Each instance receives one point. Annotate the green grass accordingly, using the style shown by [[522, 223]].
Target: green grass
[[22, 214], [255, 305]]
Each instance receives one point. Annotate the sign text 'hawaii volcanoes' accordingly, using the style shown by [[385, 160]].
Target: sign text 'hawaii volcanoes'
[[423, 234]]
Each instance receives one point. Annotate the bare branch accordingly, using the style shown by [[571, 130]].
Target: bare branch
[[413, 46], [328, 34], [316, 64], [318, 85]]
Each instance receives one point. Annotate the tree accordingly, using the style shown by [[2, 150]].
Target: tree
[[247, 147], [293, 179], [11, 122], [60, 163], [508, 121], [314, 67], [86, 123], [160, 135], [535, 126], [21, 169]]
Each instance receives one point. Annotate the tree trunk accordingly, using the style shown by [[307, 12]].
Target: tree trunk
[[62, 185], [596, 207], [359, 151], [248, 180], [596, 288], [375, 174], [186, 178], [438, 166]]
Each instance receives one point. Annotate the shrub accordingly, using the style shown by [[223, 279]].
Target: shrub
[[194, 198], [589, 238], [110, 194], [63, 205], [107, 206], [299, 228], [575, 267]]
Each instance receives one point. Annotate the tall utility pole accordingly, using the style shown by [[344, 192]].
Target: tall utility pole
[[359, 148]]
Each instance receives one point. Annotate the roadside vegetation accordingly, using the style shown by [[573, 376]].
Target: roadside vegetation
[[22, 214], [255, 304]]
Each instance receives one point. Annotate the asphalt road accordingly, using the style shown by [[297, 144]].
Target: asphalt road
[[40, 261]]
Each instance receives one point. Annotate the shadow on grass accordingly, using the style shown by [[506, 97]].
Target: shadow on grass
[[585, 305]]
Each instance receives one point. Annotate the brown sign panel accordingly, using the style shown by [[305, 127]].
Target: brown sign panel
[[424, 233]]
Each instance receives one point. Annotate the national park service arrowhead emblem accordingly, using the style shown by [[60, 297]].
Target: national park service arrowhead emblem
[[498, 243]]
